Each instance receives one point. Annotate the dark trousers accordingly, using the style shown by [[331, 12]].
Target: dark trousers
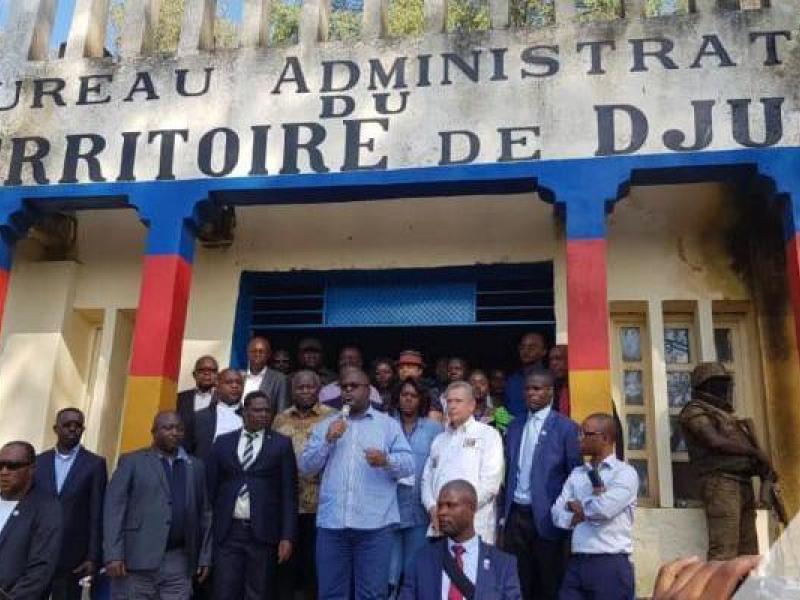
[[354, 560], [244, 568], [299, 574], [64, 587], [598, 577], [540, 562]]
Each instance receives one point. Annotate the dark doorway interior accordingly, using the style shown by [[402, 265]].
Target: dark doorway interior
[[477, 313]]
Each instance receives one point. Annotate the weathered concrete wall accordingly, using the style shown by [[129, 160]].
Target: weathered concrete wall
[[521, 94]]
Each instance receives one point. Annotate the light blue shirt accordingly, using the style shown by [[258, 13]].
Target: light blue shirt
[[530, 438], [353, 494], [608, 528], [409, 498], [472, 548], [63, 465]]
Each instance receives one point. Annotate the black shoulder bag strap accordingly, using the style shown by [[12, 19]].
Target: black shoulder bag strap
[[457, 577]]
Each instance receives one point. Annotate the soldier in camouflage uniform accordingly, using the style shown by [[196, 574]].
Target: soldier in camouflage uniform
[[725, 456]]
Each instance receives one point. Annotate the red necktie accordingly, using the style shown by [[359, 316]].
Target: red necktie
[[453, 593]]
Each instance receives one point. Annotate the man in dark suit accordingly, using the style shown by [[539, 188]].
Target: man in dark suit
[[30, 526], [77, 478], [190, 402], [258, 376], [157, 519], [460, 565], [222, 416], [541, 451], [252, 478]]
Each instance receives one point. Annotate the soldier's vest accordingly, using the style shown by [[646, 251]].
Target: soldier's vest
[[705, 460]]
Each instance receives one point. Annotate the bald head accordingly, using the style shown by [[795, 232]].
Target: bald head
[[605, 423], [463, 489], [167, 432]]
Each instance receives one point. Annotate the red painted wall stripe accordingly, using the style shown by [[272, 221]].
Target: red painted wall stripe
[[793, 276], [4, 277], [587, 304], [161, 316]]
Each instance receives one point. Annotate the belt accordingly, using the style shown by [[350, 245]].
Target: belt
[[599, 555]]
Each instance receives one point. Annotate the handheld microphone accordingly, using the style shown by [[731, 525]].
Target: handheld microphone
[[345, 412]]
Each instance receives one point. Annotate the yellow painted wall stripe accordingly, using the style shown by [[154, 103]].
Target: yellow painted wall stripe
[[589, 392], [144, 397]]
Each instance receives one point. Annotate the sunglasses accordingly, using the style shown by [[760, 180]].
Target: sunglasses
[[14, 465]]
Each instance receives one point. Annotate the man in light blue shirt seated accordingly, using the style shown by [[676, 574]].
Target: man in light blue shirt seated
[[597, 504], [361, 455]]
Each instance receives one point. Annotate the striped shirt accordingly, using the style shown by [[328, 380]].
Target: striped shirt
[[353, 494]]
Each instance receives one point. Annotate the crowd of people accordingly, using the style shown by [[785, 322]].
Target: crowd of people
[[276, 482]]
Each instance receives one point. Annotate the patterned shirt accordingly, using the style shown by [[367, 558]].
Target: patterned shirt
[[293, 424]]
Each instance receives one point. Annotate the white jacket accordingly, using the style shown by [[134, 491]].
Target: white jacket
[[474, 452]]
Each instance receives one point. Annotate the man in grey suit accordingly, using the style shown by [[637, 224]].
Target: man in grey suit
[[30, 526], [157, 519], [258, 376]]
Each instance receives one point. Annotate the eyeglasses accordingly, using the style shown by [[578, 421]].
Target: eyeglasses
[[14, 465], [206, 370], [584, 434], [349, 387]]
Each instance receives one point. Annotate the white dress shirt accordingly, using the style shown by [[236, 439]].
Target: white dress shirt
[[241, 510], [252, 383], [472, 548], [227, 419], [202, 399], [474, 452], [608, 528], [530, 439], [7, 508], [63, 465]]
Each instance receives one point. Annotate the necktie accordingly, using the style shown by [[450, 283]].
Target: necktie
[[453, 593], [247, 459]]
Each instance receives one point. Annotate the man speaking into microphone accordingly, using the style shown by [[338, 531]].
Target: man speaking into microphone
[[362, 453]]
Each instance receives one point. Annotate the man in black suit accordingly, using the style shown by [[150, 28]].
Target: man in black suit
[[460, 565], [259, 376], [30, 526], [77, 478], [157, 519], [222, 416], [200, 397], [252, 478]]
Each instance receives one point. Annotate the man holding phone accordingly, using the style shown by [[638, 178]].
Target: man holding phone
[[597, 504]]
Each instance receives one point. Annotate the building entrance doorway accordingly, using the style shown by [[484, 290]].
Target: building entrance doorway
[[477, 313]]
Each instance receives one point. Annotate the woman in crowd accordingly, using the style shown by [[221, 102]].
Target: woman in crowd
[[383, 378], [411, 404]]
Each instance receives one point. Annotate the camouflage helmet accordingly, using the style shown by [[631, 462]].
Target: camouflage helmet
[[708, 370]]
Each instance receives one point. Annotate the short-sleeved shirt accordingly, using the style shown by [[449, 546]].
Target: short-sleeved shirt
[[297, 426]]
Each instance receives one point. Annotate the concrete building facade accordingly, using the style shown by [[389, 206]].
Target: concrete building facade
[[651, 162]]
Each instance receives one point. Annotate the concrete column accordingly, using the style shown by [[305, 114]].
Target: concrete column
[[705, 6], [565, 11], [375, 19], [499, 15], [160, 324], [27, 34], [587, 304], [634, 9], [6, 257], [314, 22], [87, 35], [138, 27], [32, 360], [435, 16], [255, 23], [197, 28]]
